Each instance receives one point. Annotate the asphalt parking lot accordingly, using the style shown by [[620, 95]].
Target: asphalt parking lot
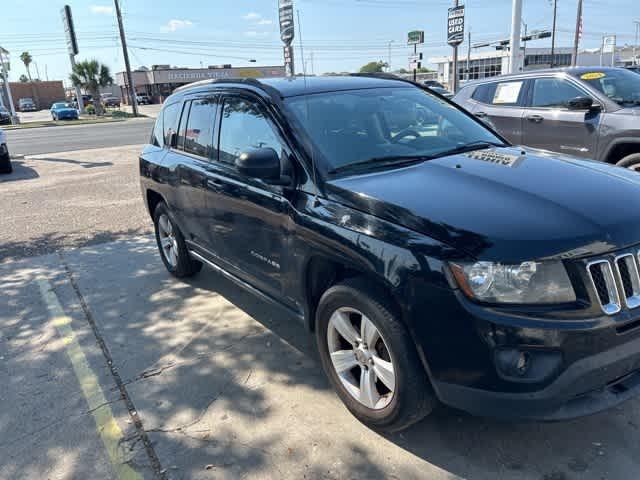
[[113, 369]]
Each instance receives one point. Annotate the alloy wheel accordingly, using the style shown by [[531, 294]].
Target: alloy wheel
[[168, 242], [361, 358]]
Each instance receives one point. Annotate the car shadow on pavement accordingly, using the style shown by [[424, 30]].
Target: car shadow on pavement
[[20, 172], [81, 163]]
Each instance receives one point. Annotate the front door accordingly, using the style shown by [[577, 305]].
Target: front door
[[550, 125], [252, 218]]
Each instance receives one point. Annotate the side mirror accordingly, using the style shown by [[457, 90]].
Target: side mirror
[[580, 103], [262, 163]]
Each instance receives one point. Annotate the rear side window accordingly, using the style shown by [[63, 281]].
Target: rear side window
[[244, 127], [507, 93], [198, 136], [484, 93], [171, 116], [157, 137], [553, 93]]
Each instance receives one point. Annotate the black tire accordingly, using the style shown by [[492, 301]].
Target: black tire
[[413, 398], [5, 164], [631, 162], [185, 265]]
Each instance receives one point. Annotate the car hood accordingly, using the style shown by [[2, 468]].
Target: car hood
[[505, 204]]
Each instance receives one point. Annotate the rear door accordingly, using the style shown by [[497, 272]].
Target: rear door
[[550, 125], [501, 105], [188, 163]]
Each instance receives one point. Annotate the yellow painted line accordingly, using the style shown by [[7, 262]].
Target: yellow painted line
[[108, 429]]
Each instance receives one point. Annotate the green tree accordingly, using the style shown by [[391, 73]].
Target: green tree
[[373, 67], [27, 59], [91, 75], [24, 78]]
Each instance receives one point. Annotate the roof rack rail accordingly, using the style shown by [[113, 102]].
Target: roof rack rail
[[246, 81]]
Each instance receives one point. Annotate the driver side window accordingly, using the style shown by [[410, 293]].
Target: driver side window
[[244, 126], [554, 93]]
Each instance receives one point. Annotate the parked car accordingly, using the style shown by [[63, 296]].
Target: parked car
[[590, 112], [26, 105], [432, 261], [64, 111], [111, 101], [5, 116], [143, 99], [442, 91], [5, 158], [432, 84]]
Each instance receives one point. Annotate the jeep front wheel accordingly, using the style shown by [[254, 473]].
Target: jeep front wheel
[[369, 358]]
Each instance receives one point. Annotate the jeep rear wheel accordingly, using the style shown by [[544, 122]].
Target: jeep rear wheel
[[632, 162], [370, 359], [171, 244]]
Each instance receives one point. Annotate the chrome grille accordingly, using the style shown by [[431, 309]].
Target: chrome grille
[[628, 273], [604, 283]]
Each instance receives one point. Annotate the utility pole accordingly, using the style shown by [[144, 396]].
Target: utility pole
[[7, 87], [576, 40], [389, 59], [635, 45], [553, 33], [125, 52], [468, 77], [516, 23]]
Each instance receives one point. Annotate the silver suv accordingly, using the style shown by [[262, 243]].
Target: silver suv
[[589, 112]]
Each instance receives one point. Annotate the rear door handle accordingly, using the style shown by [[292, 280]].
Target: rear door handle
[[535, 118], [481, 114], [215, 183]]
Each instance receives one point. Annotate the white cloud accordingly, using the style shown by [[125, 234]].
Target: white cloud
[[254, 34], [173, 25], [252, 16], [101, 9], [264, 21]]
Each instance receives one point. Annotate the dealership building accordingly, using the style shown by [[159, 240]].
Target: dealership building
[[161, 80], [496, 62]]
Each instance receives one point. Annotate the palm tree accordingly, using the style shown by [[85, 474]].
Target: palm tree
[[26, 59], [90, 75]]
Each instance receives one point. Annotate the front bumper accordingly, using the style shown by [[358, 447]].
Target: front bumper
[[590, 385]]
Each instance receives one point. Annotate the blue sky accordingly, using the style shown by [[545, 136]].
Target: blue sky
[[341, 35]]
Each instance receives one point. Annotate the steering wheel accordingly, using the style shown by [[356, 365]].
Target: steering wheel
[[407, 132]]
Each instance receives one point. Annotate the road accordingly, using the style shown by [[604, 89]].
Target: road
[[34, 141]]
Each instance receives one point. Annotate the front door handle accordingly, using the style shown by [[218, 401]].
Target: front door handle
[[214, 183], [481, 114], [535, 118]]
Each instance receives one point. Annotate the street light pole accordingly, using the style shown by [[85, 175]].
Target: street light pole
[[132, 89], [516, 22]]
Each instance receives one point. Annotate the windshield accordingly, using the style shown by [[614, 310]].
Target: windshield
[[355, 126], [621, 86]]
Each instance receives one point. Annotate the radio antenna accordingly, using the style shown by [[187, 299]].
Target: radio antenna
[[316, 200]]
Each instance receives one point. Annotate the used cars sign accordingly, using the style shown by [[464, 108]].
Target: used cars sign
[[455, 26]]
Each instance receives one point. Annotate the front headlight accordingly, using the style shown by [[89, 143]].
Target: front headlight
[[527, 283]]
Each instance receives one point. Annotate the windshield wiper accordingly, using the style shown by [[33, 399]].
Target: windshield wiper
[[469, 147], [377, 162]]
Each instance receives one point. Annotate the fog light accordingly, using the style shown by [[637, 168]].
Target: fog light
[[527, 365]]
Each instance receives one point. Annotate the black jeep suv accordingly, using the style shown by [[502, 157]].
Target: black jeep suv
[[432, 260]]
